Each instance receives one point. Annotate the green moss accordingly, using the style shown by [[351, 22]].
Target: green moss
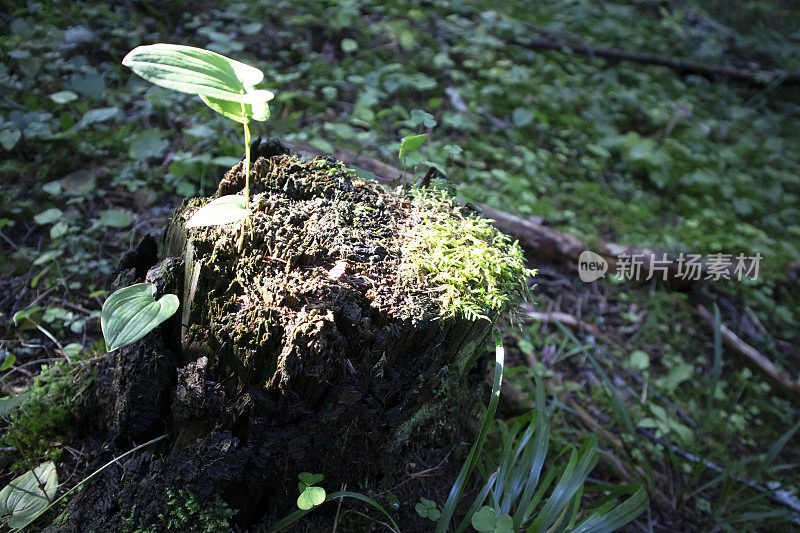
[[50, 412], [472, 269], [187, 513]]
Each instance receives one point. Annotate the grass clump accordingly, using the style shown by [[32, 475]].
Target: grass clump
[[474, 270]]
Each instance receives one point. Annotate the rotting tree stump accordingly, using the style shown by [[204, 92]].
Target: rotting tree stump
[[311, 349]]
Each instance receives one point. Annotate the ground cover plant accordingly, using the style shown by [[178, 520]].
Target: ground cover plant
[[92, 158]]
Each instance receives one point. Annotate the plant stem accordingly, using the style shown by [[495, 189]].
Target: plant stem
[[246, 163]]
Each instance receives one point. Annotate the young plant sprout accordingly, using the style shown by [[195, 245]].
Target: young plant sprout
[[227, 87]]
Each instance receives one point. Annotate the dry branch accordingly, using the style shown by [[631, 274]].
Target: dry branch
[[751, 76], [761, 362]]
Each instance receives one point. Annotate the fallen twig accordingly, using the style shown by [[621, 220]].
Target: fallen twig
[[751, 76], [761, 362]]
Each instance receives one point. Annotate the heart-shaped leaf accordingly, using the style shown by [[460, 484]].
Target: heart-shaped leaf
[[411, 143], [131, 313], [309, 478], [224, 210], [484, 519], [310, 498], [29, 495]]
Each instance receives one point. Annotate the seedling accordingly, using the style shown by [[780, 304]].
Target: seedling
[[227, 87]]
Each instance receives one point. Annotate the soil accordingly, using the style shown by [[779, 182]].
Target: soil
[[307, 351]]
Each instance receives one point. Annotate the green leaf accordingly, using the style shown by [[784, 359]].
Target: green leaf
[[29, 495], [149, 143], [8, 403], [131, 313], [310, 479], [411, 143], [10, 137], [48, 216], [94, 116], [522, 117], [47, 256], [224, 210], [639, 360], [114, 218], [310, 498], [349, 45], [28, 318], [8, 360], [233, 110], [63, 97], [201, 72], [485, 519]]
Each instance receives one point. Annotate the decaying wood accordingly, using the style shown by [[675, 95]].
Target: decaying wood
[[761, 362]]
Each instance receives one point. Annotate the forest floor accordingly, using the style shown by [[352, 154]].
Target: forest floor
[[93, 158]]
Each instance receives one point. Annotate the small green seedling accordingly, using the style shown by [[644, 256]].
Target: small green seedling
[[410, 143], [310, 496], [486, 519], [428, 509], [226, 86]]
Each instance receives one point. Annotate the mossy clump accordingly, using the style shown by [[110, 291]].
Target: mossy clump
[[474, 270], [187, 513], [50, 412]]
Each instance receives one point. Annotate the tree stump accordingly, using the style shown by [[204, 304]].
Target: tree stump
[[318, 340]]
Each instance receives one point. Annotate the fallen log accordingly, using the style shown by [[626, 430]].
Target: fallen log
[[751, 76]]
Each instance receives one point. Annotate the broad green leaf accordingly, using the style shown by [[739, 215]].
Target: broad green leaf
[[8, 360], [258, 110], [149, 143], [8, 403], [196, 71], [10, 137], [48, 216], [131, 313], [114, 218], [310, 498], [224, 210], [28, 318], [101, 114], [485, 519], [29, 495], [63, 97], [522, 117], [411, 143]]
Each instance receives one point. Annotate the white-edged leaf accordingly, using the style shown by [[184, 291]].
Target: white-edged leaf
[[131, 313], [195, 71], [27, 496], [224, 210], [258, 110]]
